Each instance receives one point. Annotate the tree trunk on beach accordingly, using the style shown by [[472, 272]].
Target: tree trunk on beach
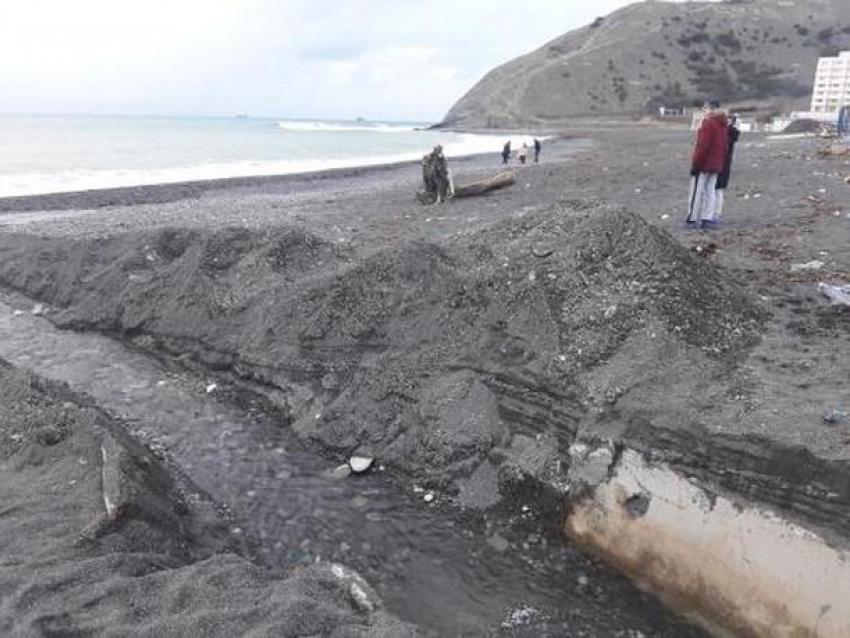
[[502, 180]]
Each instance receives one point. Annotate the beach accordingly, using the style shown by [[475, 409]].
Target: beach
[[471, 348]]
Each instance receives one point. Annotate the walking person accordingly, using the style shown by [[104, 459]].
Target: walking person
[[536, 150], [732, 135], [707, 162], [506, 152], [523, 153]]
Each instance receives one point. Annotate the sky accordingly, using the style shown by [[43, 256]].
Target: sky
[[403, 60]]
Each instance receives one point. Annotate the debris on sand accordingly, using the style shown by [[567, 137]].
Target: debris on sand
[[834, 416], [815, 264], [837, 295]]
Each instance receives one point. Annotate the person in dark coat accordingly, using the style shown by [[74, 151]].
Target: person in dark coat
[[707, 162], [723, 178], [506, 152], [536, 150]]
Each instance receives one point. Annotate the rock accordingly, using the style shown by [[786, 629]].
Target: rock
[[360, 464], [341, 472], [38, 309], [541, 250], [498, 543]]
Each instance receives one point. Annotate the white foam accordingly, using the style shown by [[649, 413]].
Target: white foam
[[333, 127], [455, 145]]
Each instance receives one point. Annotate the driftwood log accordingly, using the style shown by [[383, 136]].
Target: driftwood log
[[502, 180]]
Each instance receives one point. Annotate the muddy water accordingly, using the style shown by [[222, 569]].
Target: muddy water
[[448, 573]]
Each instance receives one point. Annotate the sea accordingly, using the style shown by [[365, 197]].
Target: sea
[[49, 154]]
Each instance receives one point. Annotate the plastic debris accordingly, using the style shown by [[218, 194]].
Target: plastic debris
[[837, 295], [834, 416], [815, 264]]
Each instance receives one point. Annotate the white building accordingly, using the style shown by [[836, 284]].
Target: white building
[[832, 84]]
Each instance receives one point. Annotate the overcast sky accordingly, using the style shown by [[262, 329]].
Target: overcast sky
[[378, 59]]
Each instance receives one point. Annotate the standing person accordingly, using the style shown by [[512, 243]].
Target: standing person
[[523, 153], [732, 135], [441, 174], [536, 150], [506, 152], [707, 162]]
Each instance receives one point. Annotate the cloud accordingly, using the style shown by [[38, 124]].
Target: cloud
[[311, 58]]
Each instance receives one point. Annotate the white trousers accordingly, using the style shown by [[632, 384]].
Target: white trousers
[[718, 204], [701, 203]]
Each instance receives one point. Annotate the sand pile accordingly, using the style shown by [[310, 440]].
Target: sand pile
[[99, 537], [445, 360]]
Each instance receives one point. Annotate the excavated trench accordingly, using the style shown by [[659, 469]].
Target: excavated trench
[[447, 571], [492, 370]]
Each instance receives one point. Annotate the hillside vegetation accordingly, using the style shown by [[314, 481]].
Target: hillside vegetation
[[750, 54]]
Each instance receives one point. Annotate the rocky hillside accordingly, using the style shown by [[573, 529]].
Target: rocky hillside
[[747, 53]]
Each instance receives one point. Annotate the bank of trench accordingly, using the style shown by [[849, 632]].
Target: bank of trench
[[448, 573]]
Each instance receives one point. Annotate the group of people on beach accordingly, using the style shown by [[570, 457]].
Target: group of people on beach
[[522, 153], [711, 165]]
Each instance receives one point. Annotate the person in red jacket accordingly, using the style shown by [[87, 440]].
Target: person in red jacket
[[707, 162]]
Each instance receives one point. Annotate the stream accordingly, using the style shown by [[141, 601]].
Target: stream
[[449, 572]]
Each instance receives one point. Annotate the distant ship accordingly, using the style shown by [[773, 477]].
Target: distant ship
[[241, 116]]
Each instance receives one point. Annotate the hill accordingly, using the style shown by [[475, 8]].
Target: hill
[[758, 54]]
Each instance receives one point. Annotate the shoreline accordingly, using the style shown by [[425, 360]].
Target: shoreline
[[169, 192]]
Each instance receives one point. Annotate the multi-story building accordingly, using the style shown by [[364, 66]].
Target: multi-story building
[[832, 84]]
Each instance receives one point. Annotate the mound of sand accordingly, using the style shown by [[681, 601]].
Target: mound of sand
[[98, 537], [442, 359], [803, 126]]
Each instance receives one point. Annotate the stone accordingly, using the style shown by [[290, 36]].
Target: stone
[[542, 250], [360, 464], [341, 472], [498, 543]]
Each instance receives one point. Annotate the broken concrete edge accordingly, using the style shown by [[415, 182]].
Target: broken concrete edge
[[732, 564]]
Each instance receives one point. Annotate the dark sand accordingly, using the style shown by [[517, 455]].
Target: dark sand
[[468, 345], [163, 562]]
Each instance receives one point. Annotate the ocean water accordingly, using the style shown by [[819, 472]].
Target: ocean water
[[50, 154]]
